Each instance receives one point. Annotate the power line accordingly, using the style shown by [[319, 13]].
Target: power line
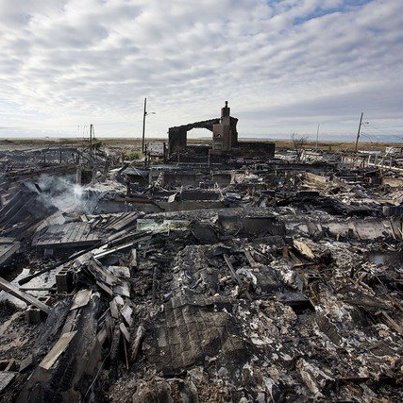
[[368, 136], [382, 137], [385, 129]]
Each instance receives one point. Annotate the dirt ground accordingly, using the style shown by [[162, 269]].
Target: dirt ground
[[134, 144]]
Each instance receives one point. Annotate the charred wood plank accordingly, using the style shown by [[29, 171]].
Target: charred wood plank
[[16, 292]]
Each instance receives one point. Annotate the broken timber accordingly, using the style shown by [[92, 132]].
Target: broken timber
[[29, 299]]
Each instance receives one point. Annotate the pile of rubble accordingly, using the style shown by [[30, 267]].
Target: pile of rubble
[[269, 281]]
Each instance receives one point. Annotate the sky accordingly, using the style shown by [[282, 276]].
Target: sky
[[285, 66]]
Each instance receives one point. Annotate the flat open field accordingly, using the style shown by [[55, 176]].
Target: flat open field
[[135, 143]]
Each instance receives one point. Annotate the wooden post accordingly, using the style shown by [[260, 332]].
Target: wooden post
[[358, 132], [144, 126]]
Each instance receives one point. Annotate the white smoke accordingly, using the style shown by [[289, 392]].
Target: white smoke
[[69, 197], [60, 192]]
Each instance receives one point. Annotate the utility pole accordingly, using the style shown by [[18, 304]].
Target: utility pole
[[358, 132], [145, 113], [317, 137], [91, 137], [144, 126]]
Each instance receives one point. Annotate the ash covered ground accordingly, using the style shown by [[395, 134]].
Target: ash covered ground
[[184, 279]]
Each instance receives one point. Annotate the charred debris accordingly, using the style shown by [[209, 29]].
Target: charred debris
[[229, 274]]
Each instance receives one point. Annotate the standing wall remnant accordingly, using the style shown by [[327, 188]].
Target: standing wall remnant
[[225, 135]]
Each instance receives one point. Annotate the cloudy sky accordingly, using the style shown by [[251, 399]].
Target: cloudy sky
[[284, 66]]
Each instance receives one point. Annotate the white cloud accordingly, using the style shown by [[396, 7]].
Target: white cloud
[[283, 65]]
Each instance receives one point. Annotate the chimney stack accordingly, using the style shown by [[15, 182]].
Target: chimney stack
[[225, 111]]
